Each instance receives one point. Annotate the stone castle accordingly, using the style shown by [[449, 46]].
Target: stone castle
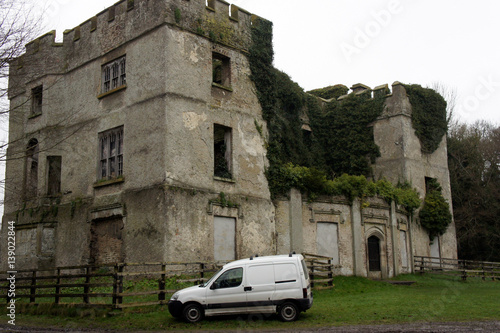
[[135, 140]]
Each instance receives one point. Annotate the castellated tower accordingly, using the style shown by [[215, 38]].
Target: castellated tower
[[402, 160], [135, 140]]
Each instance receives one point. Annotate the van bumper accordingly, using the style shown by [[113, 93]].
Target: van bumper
[[175, 308], [305, 303]]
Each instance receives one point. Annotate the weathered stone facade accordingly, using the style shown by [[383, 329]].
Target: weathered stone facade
[[147, 143]]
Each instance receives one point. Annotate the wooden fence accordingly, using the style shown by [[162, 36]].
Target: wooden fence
[[119, 285], [458, 267], [125, 284], [321, 270]]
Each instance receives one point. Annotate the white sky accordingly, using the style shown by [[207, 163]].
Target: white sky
[[325, 42]]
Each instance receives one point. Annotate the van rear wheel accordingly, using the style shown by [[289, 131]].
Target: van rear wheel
[[288, 311], [192, 313]]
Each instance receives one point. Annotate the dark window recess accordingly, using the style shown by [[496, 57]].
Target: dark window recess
[[222, 151], [36, 100], [111, 154], [114, 75], [374, 254], [32, 169], [54, 175], [221, 70]]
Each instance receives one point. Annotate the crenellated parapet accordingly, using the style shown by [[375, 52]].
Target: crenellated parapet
[[125, 21]]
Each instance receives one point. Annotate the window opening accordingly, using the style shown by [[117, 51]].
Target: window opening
[[221, 71], [111, 154], [36, 100], [114, 75], [374, 254], [54, 175], [32, 168], [222, 151]]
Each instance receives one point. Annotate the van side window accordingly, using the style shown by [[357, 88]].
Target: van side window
[[230, 279]]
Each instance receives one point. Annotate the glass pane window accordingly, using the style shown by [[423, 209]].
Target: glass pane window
[[113, 74], [111, 154]]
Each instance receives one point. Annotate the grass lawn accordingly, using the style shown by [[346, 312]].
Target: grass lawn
[[353, 301]]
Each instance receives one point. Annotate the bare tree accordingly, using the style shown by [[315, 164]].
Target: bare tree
[[19, 24], [450, 96]]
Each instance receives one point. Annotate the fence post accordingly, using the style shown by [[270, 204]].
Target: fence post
[[202, 273], [33, 288], [312, 273], [120, 283], [161, 284], [86, 288], [330, 273], [58, 285], [117, 285]]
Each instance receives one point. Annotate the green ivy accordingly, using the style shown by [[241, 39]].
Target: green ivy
[[435, 215], [314, 182], [333, 159], [428, 116], [330, 92]]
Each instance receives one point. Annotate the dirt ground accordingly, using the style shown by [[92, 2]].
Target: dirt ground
[[486, 326]]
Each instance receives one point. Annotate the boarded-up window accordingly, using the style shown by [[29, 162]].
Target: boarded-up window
[[48, 242], [327, 240], [224, 238], [222, 151], [26, 243], [106, 241], [402, 247], [54, 175]]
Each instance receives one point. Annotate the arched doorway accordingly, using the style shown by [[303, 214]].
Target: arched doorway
[[374, 254]]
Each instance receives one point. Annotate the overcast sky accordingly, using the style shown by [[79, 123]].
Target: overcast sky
[[326, 42]]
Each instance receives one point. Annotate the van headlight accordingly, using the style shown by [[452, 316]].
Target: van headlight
[[175, 296]]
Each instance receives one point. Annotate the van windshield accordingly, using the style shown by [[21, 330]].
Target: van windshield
[[210, 280]]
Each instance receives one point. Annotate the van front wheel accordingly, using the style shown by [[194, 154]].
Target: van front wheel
[[192, 313], [288, 312]]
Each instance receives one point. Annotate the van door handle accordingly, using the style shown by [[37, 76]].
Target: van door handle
[[247, 289]]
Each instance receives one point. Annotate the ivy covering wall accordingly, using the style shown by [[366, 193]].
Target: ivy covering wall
[[321, 148], [428, 116]]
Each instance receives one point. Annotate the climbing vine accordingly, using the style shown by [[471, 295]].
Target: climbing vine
[[335, 155], [428, 116], [435, 215]]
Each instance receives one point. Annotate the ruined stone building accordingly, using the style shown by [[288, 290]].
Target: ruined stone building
[[135, 139]]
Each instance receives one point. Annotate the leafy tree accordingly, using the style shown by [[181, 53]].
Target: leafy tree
[[474, 164]]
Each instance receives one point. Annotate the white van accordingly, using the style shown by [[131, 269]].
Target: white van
[[271, 284]]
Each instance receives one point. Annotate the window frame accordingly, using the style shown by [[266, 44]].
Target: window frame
[[221, 171], [221, 66], [114, 75], [36, 100], [110, 154]]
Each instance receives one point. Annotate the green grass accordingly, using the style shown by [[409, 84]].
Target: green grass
[[353, 301]]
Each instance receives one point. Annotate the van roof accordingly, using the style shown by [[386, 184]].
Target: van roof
[[276, 258]]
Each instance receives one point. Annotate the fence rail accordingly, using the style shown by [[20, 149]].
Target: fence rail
[[124, 285], [458, 267], [321, 270]]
